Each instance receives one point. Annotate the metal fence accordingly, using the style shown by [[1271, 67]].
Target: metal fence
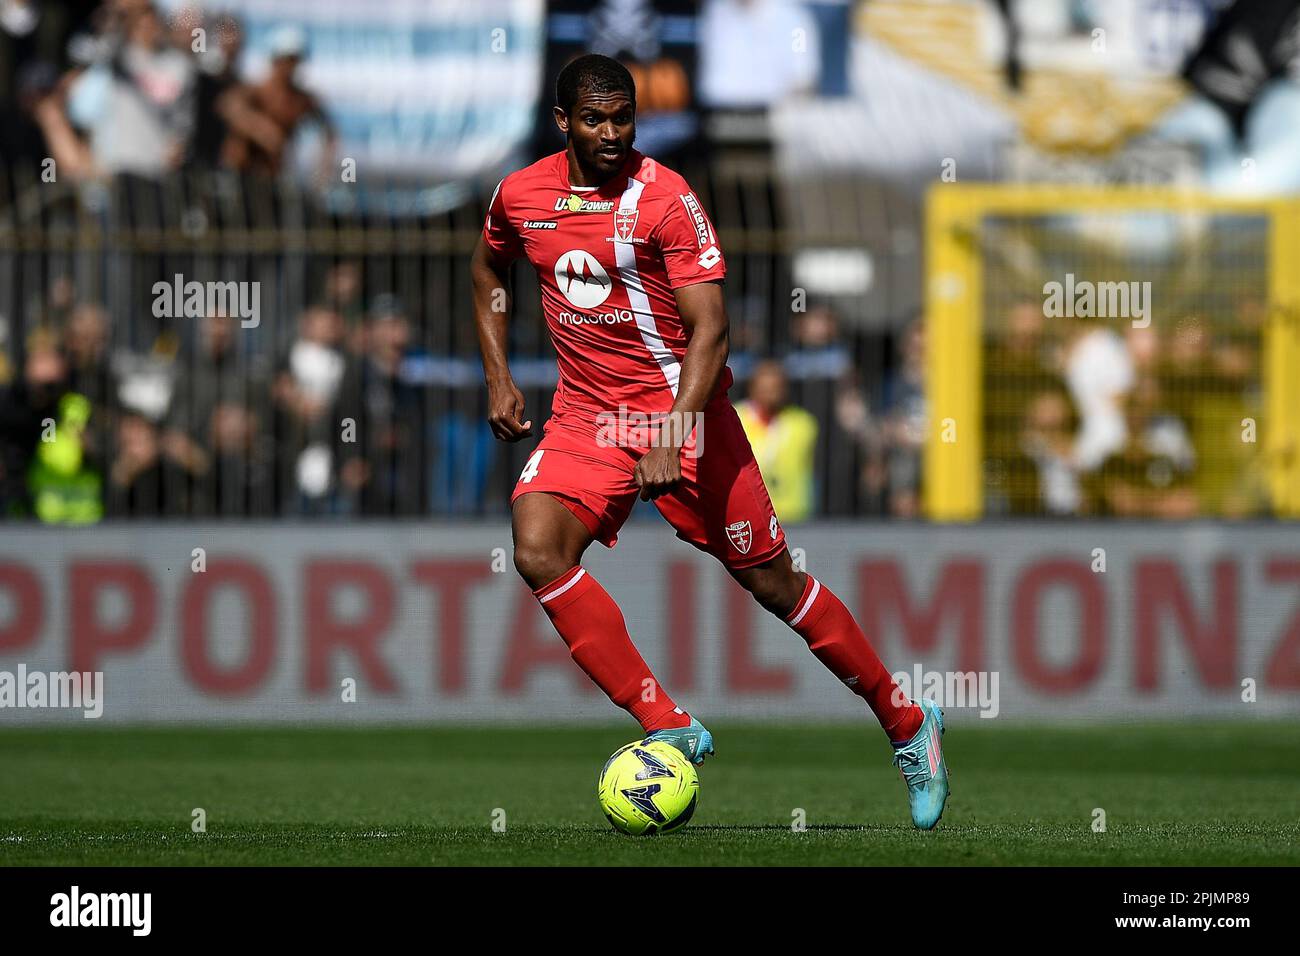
[[360, 317]]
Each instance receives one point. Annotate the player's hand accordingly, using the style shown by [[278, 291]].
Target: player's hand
[[658, 472], [505, 411]]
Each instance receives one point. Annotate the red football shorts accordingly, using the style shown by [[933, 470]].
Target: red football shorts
[[721, 505]]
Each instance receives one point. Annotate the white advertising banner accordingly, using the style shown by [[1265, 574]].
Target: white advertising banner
[[428, 622]]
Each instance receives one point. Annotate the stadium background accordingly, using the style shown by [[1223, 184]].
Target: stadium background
[[1099, 511]]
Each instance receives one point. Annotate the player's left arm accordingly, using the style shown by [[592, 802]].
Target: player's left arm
[[704, 316]]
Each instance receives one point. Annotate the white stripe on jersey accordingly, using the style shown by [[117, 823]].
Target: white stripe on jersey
[[492, 202], [625, 258]]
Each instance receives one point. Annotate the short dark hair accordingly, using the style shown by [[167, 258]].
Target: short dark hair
[[592, 73]]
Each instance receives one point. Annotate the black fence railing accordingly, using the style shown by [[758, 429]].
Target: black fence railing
[[209, 345]]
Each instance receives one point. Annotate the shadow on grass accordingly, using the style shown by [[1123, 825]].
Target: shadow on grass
[[779, 828]]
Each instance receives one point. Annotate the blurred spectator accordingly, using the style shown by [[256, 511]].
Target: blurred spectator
[[264, 116], [240, 477], [137, 104], [85, 345], [1143, 344], [826, 380], [904, 424], [1150, 476], [22, 142], [25, 403], [818, 351], [149, 383], [51, 307], [211, 374], [1040, 476], [1016, 367], [343, 295], [141, 481], [377, 440], [91, 373], [1205, 382], [754, 53], [784, 438], [217, 76], [1099, 373], [834, 20], [821, 372], [463, 453], [864, 439], [63, 484], [306, 390]]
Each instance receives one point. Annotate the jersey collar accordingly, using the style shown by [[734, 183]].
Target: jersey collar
[[614, 186]]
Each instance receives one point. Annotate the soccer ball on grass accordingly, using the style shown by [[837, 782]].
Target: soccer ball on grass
[[648, 788]]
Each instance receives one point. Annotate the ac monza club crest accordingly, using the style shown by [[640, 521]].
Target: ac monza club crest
[[625, 224], [741, 535]]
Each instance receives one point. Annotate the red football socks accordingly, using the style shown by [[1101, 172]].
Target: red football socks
[[593, 627], [834, 637]]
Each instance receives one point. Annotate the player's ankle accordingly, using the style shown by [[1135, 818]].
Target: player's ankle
[[908, 723], [668, 720]]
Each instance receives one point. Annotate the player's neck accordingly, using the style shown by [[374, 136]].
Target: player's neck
[[581, 178]]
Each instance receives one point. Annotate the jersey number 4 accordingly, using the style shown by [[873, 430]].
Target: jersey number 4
[[531, 466]]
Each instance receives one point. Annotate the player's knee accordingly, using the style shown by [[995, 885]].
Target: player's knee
[[777, 590], [539, 564], [769, 596]]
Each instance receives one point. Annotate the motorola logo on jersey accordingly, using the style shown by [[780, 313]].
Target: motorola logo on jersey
[[582, 279], [596, 318]]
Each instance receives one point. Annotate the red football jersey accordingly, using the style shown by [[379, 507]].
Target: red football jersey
[[608, 259]]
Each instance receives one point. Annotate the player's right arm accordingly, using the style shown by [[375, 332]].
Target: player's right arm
[[489, 268]]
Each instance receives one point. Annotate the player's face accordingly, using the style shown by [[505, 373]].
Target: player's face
[[602, 128]]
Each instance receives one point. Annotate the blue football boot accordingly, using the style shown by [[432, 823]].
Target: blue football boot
[[920, 761], [693, 740]]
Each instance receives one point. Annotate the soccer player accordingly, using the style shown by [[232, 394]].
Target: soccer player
[[631, 276]]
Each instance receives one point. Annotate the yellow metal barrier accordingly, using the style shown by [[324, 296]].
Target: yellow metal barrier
[[956, 277]]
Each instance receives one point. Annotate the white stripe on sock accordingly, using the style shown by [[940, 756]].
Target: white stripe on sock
[[816, 589], [560, 590]]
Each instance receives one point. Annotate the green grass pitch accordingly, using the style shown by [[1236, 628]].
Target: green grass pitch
[[1181, 794]]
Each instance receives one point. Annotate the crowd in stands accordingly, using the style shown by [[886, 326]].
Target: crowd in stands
[[351, 418], [347, 409], [116, 87], [213, 428], [1085, 417]]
